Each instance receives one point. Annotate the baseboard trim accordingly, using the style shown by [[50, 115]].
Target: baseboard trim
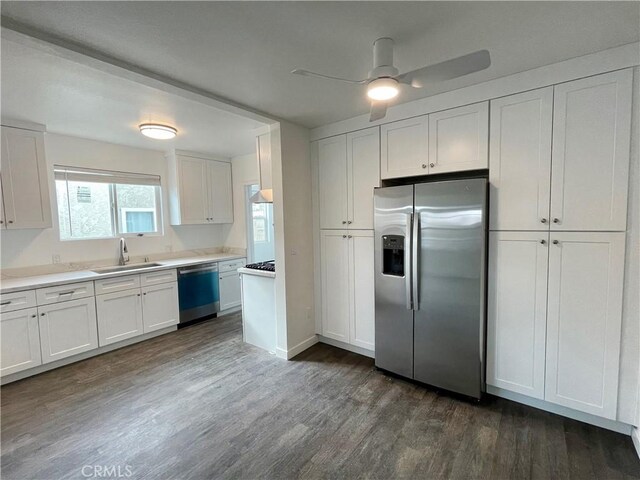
[[635, 436], [616, 426], [346, 346], [14, 377], [297, 349]]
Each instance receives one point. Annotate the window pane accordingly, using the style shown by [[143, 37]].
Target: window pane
[[137, 208], [84, 210]]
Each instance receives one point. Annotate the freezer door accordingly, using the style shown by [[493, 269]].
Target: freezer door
[[394, 314], [450, 308]]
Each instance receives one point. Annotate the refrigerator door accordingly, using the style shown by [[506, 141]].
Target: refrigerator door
[[394, 314], [450, 308]]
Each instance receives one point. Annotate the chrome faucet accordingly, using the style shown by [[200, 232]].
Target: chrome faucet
[[123, 259]]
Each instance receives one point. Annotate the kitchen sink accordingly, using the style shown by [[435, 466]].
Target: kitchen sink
[[125, 268]]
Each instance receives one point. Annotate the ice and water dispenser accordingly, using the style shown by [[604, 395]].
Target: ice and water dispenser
[[393, 255]]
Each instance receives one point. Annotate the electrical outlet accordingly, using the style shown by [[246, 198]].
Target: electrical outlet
[[55, 258]]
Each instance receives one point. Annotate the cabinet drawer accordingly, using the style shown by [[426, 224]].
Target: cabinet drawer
[[153, 278], [231, 265], [62, 293], [117, 284], [17, 300]]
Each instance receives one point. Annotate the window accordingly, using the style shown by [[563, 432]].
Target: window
[[103, 204]]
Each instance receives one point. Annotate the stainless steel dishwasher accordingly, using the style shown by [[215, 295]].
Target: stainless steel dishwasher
[[198, 291]]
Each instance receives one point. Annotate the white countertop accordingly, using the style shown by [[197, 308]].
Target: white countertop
[[258, 273], [15, 284]]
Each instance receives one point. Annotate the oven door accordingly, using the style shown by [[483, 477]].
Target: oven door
[[199, 291]]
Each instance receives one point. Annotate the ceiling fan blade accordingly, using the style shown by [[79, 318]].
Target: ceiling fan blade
[[378, 111], [307, 73], [456, 67]]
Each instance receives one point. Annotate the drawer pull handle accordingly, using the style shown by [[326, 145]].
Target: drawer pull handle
[[70, 292], [6, 303]]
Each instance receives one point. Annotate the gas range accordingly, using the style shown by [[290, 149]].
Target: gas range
[[269, 266]]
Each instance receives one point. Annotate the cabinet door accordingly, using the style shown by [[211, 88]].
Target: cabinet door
[[334, 258], [160, 306], [20, 341], [332, 181], [25, 186], [586, 273], [119, 316], [458, 139], [362, 290], [193, 190], [404, 148], [68, 328], [221, 192], [363, 173], [520, 160], [230, 290], [517, 311], [591, 140]]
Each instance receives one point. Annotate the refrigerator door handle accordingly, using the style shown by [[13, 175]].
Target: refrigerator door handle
[[407, 262], [415, 261]]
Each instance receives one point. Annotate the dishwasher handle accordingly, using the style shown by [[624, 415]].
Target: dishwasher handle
[[211, 267]]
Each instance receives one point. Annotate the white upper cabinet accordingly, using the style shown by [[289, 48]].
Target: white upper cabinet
[[404, 148], [584, 320], [348, 171], [591, 141], [200, 190], [517, 311], [458, 139], [221, 192], [25, 187], [363, 174], [520, 160], [332, 182]]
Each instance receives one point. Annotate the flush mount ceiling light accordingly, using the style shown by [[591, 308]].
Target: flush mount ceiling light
[[382, 89], [157, 131]]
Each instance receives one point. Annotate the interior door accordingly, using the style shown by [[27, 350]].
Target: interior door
[[332, 182], [449, 311], [363, 173]]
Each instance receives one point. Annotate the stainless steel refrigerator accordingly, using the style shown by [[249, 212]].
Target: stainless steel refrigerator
[[430, 275]]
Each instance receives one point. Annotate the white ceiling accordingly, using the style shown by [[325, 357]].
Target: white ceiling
[[244, 50], [74, 99]]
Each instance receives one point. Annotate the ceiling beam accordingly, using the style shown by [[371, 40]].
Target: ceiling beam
[[78, 53]]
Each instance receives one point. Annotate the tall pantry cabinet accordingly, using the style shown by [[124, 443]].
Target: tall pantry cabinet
[[347, 169], [559, 163]]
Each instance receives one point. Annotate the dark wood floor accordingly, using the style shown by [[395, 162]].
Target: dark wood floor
[[198, 403]]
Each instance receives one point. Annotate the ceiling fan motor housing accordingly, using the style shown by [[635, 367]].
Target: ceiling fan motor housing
[[383, 59]]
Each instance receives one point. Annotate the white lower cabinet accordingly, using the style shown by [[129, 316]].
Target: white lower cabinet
[[67, 328], [230, 290], [584, 320], [555, 335], [160, 306], [119, 316], [347, 286], [517, 311], [20, 341]]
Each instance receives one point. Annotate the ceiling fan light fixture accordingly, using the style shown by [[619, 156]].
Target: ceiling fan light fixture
[[157, 131], [383, 89]]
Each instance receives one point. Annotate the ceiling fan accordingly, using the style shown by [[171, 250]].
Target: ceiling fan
[[384, 80]]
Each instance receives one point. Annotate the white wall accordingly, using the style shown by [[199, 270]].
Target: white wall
[[244, 171], [22, 248]]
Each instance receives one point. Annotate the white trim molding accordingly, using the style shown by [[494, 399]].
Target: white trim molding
[[635, 436], [297, 349], [347, 346]]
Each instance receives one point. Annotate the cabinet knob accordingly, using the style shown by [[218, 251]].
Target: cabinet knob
[[556, 242], [543, 242], [42, 314], [138, 294], [344, 236], [1, 222], [556, 220], [349, 222], [10, 221], [432, 165], [424, 165], [543, 220], [344, 222], [33, 316], [349, 236]]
